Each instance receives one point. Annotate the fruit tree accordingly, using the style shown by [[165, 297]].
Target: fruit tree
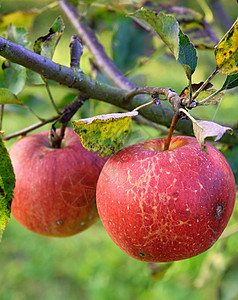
[[113, 143]]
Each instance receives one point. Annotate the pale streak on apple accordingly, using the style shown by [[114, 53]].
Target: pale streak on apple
[[163, 227]]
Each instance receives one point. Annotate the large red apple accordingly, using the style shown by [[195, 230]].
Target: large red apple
[[55, 189], [161, 206]]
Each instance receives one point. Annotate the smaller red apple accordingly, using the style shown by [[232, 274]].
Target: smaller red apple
[[55, 188], [161, 206]]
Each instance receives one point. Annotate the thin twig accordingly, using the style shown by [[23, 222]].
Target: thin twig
[[88, 37], [26, 130], [1, 115], [76, 51], [30, 110], [50, 96]]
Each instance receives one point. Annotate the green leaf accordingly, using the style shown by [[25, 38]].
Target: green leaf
[[167, 27], [231, 82], [104, 133], [15, 78], [187, 54], [164, 25], [226, 52], [7, 97], [18, 35], [130, 43], [7, 184], [46, 45], [34, 78], [191, 23]]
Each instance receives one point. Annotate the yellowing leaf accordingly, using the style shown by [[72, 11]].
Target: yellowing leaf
[[205, 94], [203, 129], [104, 133], [18, 18], [7, 184], [226, 52], [7, 97]]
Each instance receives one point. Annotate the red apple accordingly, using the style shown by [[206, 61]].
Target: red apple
[[55, 188], [161, 206]]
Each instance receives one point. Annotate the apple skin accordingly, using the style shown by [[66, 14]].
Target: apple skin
[[55, 189], [162, 206]]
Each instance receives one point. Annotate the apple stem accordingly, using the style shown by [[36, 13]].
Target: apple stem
[[171, 130]]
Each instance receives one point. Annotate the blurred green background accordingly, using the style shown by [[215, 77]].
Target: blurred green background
[[89, 265]]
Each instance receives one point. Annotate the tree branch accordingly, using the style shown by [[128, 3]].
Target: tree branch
[[161, 114], [88, 37]]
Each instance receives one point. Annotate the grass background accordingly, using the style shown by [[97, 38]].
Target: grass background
[[90, 266]]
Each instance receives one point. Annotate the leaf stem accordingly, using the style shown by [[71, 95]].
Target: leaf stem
[[190, 91], [144, 105], [1, 115], [188, 115], [205, 83], [50, 95], [171, 130], [30, 110]]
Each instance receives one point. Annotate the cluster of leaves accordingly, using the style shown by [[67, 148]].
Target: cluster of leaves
[[168, 29]]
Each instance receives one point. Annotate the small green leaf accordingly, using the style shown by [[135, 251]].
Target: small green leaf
[[104, 133], [34, 78], [7, 184], [203, 129], [15, 78], [7, 97], [231, 82], [164, 25], [46, 45], [187, 54], [226, 52], [18, 35], [130, 43]]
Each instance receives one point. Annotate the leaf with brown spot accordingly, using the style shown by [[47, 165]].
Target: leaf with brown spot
[[104, 133], [205, 94], [226, 52], [195, 87]]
